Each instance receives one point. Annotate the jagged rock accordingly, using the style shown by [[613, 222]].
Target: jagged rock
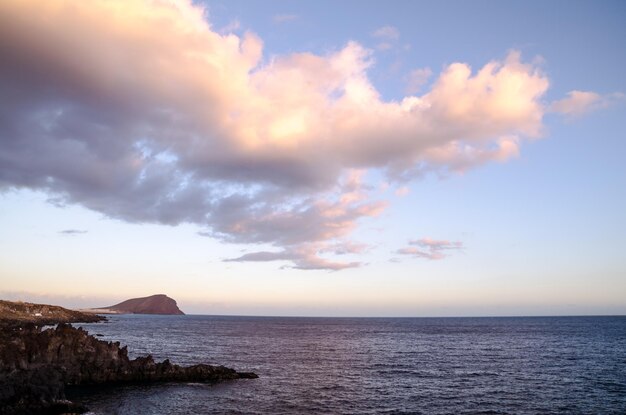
[[36, 365]]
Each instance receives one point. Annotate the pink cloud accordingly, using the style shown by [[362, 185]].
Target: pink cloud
[[140, 110], [430, 248], [402, 191], [416, 79], [419, 253], [580, 102]]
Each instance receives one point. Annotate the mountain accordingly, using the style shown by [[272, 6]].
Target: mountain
[[155, 304]]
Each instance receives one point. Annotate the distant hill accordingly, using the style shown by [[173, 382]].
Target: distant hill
[[155, 304]]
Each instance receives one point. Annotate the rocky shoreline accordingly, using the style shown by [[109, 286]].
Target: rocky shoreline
[[18, 313], [37, 364]]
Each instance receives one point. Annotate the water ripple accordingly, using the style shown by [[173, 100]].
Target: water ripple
[[545, 365]]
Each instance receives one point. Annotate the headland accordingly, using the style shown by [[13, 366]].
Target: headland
[[37, 364]]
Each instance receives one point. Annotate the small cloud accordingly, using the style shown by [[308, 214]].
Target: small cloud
[[72, 232], [301, 258], [402, 191], [578, 103], [428, 248], [205, 234], [418, 253], [346, 247], [436, 244], [262, 256], [386, 33], [416, 79], [322, 264], [282, 18]]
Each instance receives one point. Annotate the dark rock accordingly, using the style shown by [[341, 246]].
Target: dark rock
[[248, 375], [18, 313], [36, 365]]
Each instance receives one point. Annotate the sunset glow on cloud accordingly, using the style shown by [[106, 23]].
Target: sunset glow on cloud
[[579, 102], [140, 110], [314, 158]]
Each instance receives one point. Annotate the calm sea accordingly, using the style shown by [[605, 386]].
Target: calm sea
[[535, 365]]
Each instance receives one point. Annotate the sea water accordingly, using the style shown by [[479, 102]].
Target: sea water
[[503, 365]]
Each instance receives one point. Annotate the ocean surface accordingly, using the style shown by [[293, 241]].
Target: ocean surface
[[516, 365]]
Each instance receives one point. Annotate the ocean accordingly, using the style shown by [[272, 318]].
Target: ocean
[[500, 365]]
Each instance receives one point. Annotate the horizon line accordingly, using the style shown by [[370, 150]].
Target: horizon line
[[375, 317]]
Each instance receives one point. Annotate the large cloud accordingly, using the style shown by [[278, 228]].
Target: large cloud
[[139, 110]]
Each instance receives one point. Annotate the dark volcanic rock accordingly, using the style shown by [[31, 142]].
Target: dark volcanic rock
[[36, 365], [17, 313], [155, 304]]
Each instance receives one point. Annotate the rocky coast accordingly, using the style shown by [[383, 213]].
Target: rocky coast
[[37, 364]]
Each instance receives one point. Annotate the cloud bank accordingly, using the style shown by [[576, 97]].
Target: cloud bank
[[140, 110]]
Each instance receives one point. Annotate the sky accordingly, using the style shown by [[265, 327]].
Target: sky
[[354, 158]]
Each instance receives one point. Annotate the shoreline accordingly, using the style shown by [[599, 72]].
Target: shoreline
[[98, 311], [37, 363]]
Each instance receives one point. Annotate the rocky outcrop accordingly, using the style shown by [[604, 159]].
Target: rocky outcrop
[[154, 304], [36, 365], [18, 312]]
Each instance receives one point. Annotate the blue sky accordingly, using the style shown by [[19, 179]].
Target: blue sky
[[115, 161]]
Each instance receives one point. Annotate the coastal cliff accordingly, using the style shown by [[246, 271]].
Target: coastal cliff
[[36, 366]]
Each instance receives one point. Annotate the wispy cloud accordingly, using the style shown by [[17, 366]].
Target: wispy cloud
[[430, 248], [387, 37], [402, 191], [232, 26], [225, 143], [346, 247], [72, 232], [578, 103], [386, 33], [304, 258], [282, 18], [307, 230], [417, 79]]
